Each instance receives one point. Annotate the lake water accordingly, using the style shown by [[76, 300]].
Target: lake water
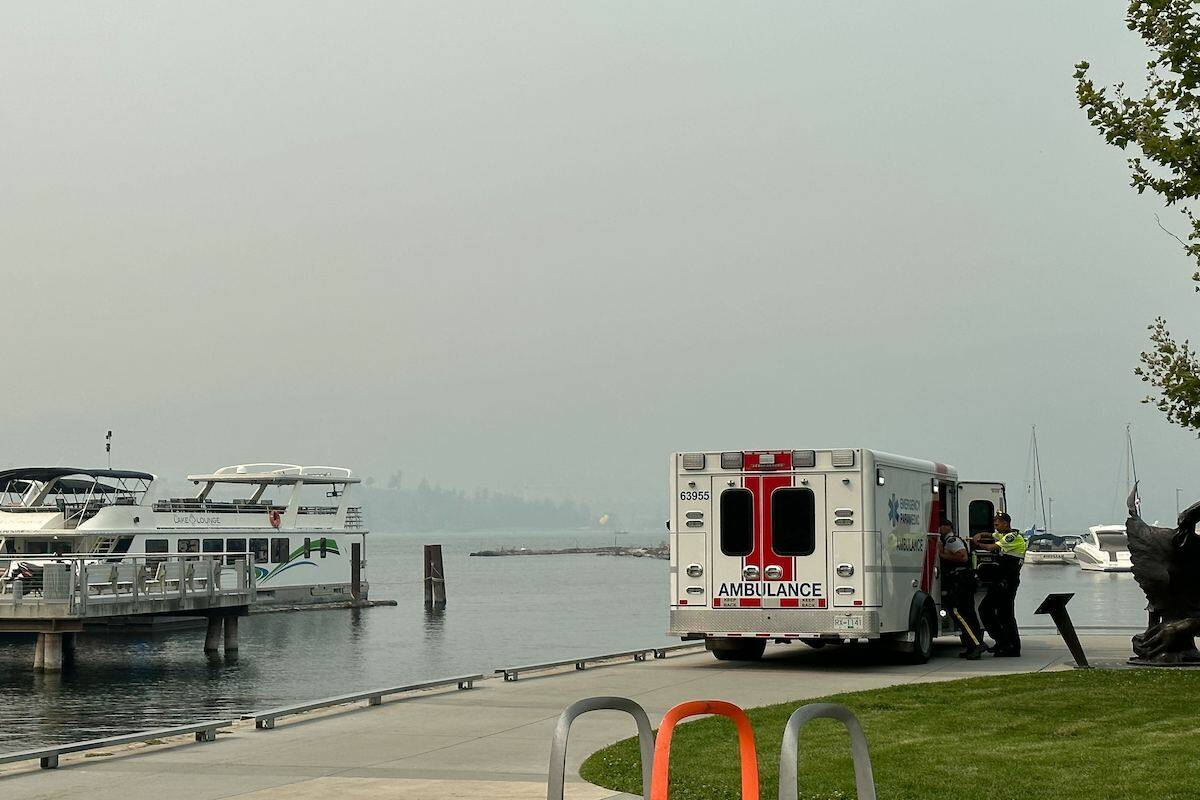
[[501, 611]]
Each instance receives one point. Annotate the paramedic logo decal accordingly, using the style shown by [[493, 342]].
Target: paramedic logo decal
[[903, 510]]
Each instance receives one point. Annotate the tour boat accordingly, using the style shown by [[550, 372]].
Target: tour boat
[[1104, 548], [307, 542]]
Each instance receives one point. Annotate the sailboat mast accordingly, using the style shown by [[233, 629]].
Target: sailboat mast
[[1132, 464], [1041, 490]]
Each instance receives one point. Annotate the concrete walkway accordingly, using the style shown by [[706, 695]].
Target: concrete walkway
[[490, 742]]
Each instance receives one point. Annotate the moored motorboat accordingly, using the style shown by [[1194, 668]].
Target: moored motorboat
[[1104, 548]]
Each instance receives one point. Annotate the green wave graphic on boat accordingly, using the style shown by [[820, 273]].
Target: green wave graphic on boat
[[296, 558]]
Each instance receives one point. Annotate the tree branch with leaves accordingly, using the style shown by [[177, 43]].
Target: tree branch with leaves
[[1162, 123]]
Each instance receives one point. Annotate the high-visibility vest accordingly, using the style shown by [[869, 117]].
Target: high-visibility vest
[[1011, 544]]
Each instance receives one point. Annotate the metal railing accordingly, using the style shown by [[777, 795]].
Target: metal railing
[[69, 585], [266, 719], [48, 756], [513, 673]]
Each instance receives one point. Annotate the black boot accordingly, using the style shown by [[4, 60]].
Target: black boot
[[973, 653]]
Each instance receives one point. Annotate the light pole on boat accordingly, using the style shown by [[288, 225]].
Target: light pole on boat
[[108, 448]]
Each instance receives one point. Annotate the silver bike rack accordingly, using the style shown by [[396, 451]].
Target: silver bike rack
[[558, 750], [864, 781]]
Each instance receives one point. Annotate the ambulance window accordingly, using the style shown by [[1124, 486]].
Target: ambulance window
[[737, 522], [793, 522], [979, 516]]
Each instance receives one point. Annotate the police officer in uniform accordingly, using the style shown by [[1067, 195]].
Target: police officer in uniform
[[998, 606], [959, 581]]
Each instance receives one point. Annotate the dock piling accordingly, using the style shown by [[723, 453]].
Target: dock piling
[[52, 651], [435, 577], [39, 653], [212, 638], [231, 634]]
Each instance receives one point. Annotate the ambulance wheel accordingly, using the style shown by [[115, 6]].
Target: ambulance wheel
[[922, 644], [736, 649]]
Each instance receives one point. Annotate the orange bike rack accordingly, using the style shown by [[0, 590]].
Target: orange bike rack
[[659, 782]]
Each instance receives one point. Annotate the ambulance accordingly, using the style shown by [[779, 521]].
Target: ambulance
[[817, 546]]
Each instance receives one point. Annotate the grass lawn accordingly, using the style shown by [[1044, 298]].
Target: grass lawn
[[1093, 734]]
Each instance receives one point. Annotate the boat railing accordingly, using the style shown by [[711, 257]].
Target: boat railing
[[194, 506], [67, 585]]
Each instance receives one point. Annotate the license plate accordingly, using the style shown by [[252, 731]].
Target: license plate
[[853, 623]]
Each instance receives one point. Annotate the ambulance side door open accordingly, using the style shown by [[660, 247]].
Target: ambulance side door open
[[978, 503]]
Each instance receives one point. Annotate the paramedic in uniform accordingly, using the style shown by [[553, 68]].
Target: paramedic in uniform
[[959, 580], [997, 608]]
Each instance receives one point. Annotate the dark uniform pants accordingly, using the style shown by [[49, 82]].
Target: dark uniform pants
[[961, 588], [998, 607]]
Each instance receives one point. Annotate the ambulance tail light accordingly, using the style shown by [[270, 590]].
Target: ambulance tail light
[[693, 461], [731, 460], [804, 458]]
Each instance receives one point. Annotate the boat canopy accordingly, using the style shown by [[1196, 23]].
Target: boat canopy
[[44, 474], [278, 475]]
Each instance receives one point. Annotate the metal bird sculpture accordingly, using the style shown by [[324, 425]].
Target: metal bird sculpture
[[1166, 564]]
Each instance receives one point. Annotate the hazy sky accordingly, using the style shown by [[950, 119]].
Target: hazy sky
[[538, 246]]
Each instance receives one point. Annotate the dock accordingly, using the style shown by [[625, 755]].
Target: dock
[[492, 740], [66, 592]]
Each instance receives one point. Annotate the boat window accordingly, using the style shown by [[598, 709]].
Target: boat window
[[258, 549], [280, 550], [188, 546], [214, 546], [793, 522], [1112, 541], [307, 547], [737, 522], [37, 548], [236, 548], [322, 544], [156, 546], [980, 515]]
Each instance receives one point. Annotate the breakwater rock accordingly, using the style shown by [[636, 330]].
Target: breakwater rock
[[658, 551]]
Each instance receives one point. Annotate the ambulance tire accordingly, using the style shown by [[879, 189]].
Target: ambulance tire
[[736, 649], [921, 649]]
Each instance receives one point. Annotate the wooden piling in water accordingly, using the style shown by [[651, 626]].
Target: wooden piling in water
[[435, 577], [356, 571]]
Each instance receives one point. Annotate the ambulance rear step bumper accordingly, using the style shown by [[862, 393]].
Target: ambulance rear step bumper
[[774, 621]]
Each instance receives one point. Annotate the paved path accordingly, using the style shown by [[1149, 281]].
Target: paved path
[[490, 742]]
